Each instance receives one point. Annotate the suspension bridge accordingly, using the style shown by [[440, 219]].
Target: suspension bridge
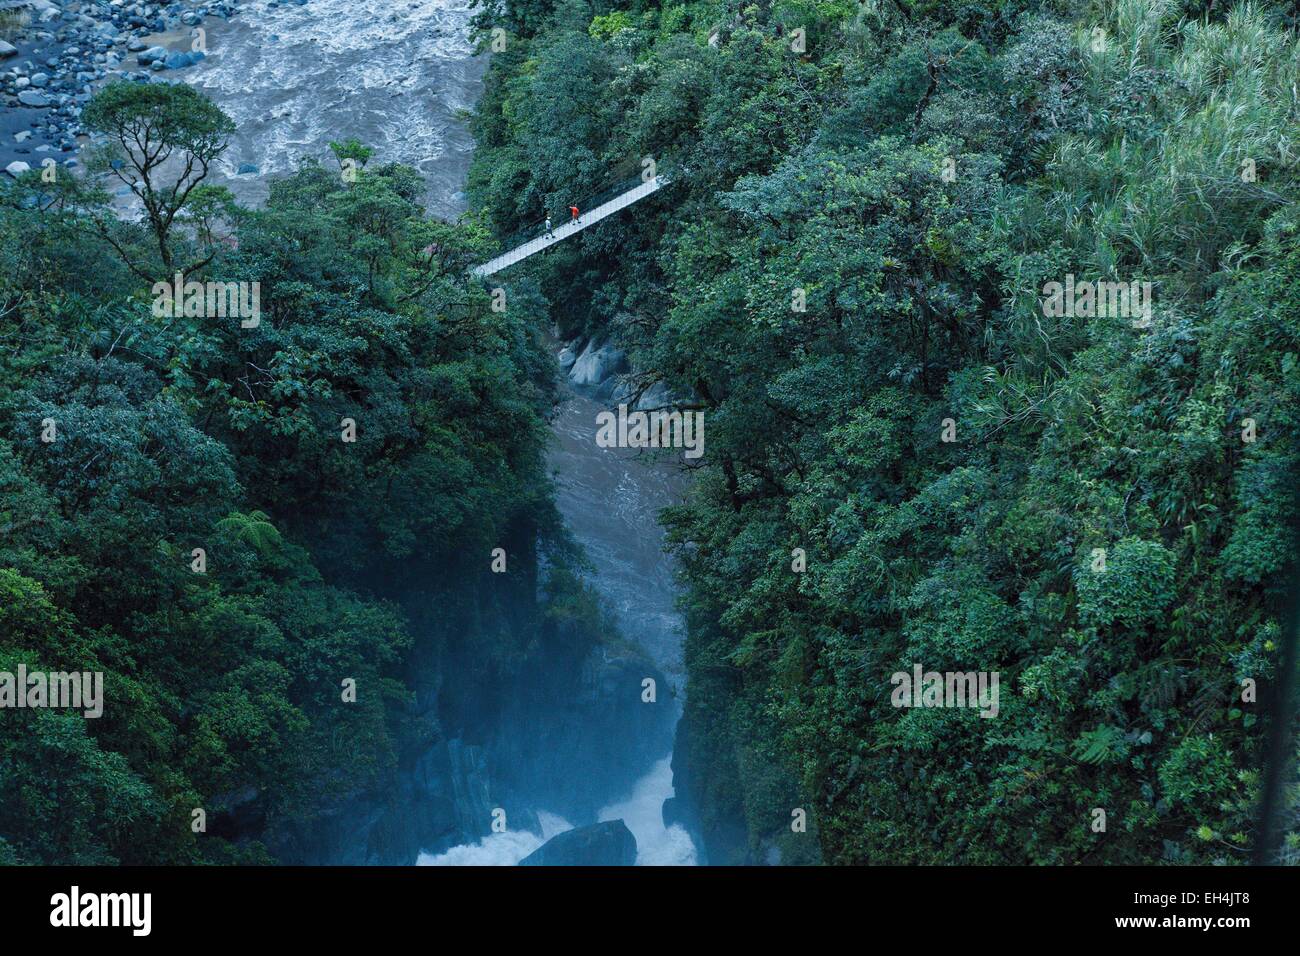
[[587, 217]]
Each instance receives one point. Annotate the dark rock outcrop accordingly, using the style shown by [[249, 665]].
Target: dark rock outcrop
[[602, 844]]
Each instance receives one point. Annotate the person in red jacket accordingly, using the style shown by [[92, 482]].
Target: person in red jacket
[[573, 210]]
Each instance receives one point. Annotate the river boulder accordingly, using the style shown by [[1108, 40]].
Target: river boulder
[[596, 364], [147, 57], [179, 60], [609, 843]]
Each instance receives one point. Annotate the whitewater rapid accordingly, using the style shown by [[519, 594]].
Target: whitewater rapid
[[641, 811], [610, 499], [399, 76]]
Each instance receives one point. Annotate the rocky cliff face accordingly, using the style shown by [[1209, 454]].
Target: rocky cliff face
[[571, 743]]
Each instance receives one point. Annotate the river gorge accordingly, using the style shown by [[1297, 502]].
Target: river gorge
[[399, 78]]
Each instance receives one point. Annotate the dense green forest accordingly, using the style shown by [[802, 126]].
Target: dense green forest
[[909, 459], [867, 202], [128, 440]]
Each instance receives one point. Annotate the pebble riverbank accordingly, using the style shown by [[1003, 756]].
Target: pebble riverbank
[[55, 53]]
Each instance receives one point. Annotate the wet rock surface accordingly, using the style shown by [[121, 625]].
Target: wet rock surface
[[602, 844]]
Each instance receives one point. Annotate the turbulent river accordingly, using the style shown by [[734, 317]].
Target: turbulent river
[[395, 74], [398, 76], [610, 499]]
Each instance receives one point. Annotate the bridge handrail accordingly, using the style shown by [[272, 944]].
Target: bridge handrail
[[534, 229]]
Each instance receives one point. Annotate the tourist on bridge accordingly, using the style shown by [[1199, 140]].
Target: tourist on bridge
[[574, 211], [549, 233]]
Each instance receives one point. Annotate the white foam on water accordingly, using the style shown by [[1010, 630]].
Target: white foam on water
[[642, 811], [392, 74], [499, 849]]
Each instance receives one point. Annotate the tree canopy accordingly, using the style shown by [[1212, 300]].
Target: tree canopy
[[847, 274]]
